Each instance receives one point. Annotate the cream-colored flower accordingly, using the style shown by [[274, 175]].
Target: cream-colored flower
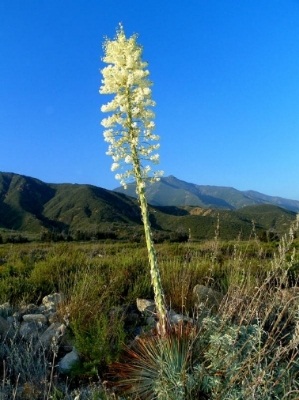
[[129, 132], [114, 166], [129, 127], [128, 159]]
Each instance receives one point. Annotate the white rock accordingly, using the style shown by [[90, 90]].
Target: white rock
[[52, 300], [145, 305], [35, 318]]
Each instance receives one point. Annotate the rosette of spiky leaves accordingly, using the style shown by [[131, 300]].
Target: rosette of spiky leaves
[[160, 367]]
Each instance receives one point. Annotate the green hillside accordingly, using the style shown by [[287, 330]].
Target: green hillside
[[83, 206], [21, 202], [30, 206], [233, 223]]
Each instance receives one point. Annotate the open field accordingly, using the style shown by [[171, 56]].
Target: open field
[[257, 282]]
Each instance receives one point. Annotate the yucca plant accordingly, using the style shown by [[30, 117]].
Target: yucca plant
[[158, 367], [129, 132]]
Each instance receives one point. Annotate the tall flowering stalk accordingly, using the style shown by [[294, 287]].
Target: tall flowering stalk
[[129, 132]]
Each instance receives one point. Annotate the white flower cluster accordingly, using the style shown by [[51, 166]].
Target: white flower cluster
[[129, 127]]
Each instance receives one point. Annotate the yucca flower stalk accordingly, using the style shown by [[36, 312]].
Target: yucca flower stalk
[[129, 132]]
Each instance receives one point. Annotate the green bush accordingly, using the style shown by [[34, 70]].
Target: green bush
[[214, 359], [99, 341], [95, 321]]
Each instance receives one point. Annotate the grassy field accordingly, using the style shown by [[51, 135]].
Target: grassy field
[[248, 347]]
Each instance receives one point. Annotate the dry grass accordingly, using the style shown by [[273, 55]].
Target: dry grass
[[247, 349]]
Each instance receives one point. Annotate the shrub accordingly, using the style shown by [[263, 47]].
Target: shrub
[[248, 350], [96, 325], [223, 357]]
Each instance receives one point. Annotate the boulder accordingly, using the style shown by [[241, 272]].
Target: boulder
[[40, 327], [207, 298], [52, 300], [37, 318], [5, 310], [68, 361], [29, 330], [28, 309], [52, 334], [145, 306], [176, 318], [6, 329]]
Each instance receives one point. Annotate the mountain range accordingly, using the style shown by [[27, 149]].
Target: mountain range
[[171, 191], [31, 206]]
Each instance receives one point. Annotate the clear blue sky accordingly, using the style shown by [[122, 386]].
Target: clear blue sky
[[226, 83]]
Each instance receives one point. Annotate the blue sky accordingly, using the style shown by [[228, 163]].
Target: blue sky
[[226, 84]]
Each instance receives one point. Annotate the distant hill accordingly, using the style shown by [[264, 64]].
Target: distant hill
[[170, 191], [30, 206]]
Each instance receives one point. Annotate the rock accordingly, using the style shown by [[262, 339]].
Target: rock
[[206, 297], [12, 321], [5, 310], [68, 361], [144, 305], [52, 300], [52, 317], [17, 316], [54, 333], [150, 322], [35, 318], [28, 309], [176, 318], [6, 329], [29, 330], [37, 329]]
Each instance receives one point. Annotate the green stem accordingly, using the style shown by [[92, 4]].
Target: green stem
[[154, 269], [152, 256]]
